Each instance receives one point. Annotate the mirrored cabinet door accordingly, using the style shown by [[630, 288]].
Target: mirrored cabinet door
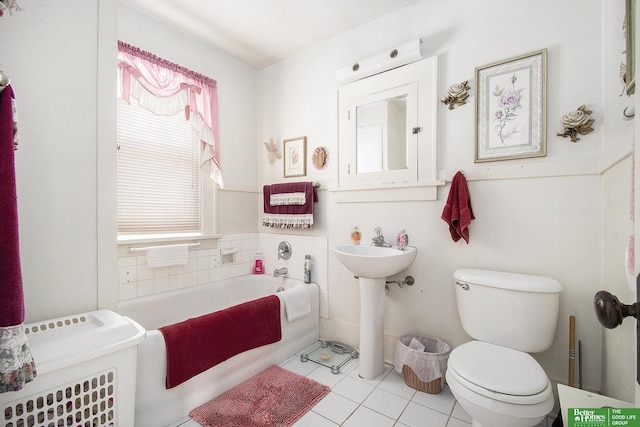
[[381, 124], [387, 130]]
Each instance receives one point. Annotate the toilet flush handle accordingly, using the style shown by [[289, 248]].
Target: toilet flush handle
[[611, 312], [463, 285]]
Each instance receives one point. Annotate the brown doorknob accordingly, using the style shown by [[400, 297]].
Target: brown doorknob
[[610, 311]]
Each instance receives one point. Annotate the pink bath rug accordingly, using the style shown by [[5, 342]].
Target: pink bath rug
[[274, 397]]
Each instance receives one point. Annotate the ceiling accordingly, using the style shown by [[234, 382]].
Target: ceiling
[[263, 32]]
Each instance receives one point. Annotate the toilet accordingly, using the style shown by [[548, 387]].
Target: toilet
[[509, 315]]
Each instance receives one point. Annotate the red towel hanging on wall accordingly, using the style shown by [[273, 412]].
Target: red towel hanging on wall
[[12, 312], [17, 366], [457, 212]]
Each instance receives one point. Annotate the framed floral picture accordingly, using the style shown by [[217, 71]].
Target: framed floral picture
[[511, 108], [295, 156]]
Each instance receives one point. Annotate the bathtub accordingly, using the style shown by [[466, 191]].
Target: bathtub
[[157, 406]]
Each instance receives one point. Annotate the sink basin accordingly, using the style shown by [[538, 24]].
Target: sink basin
[[374, 262], [372, 265]]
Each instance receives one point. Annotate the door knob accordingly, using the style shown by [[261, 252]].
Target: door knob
[[610, 311]]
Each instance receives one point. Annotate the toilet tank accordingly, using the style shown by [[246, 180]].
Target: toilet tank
[[518, 311]]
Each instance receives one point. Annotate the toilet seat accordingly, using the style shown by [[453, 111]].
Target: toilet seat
[[499, 373]]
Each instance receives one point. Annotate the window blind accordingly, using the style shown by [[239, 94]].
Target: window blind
[[158, 172]]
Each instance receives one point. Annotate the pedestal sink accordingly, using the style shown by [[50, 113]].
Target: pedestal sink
[[372, 265]]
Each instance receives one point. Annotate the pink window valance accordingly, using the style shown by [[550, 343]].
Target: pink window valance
[[166, 88]]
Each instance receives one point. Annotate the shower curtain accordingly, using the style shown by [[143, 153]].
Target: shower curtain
[[16, 362]]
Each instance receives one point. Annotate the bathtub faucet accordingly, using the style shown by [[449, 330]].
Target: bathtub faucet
[[280, 272]]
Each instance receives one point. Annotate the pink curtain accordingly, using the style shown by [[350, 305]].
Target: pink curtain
[[164, 87], [16, 362]]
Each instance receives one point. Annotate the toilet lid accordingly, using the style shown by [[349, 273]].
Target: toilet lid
[[498, 369]]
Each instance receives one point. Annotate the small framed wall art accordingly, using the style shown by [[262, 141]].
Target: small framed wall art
[[295, 156], [511, 108]]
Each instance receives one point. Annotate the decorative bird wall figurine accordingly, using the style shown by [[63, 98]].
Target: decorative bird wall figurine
[[272, 151]]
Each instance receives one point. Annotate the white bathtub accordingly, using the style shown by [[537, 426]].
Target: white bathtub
[[158, 406]]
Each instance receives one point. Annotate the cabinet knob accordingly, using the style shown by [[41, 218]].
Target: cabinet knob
[[610, 311]]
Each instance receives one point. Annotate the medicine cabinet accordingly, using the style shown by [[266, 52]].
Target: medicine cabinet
[[387, 135]]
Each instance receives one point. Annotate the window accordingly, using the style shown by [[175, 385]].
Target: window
[[167, 137], [158, 173]]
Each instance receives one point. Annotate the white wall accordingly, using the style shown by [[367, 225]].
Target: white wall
[[54, 71], [618, 349], [539, 216]]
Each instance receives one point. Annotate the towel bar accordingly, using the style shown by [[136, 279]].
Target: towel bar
[[132, 249]]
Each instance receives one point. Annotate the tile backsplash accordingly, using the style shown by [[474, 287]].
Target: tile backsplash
[[205, 264], [217, 259]]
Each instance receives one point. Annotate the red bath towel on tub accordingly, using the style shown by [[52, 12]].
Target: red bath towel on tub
[[197, 344]]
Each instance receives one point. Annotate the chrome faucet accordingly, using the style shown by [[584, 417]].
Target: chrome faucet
[[378, 239], [280, 272]]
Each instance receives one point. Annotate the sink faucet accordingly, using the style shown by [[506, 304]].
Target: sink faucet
[[280, 272], [378, 239]]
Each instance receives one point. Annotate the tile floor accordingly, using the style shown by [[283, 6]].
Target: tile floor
[[385, 401]]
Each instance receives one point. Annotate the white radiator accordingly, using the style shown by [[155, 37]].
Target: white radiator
[[86, 368]]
